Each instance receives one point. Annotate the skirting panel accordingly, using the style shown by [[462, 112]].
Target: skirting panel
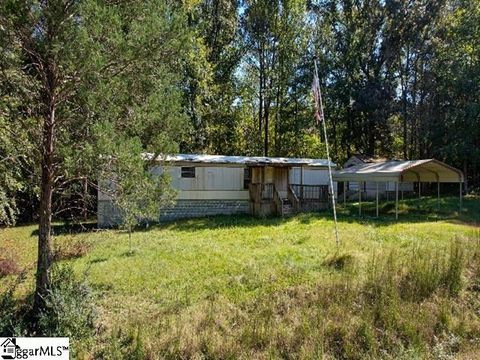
[[197, 208], [108, 214]]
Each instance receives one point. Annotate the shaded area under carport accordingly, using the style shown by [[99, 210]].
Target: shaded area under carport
[[421, 171]]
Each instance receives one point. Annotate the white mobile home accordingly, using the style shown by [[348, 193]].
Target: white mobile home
[[218, 184]]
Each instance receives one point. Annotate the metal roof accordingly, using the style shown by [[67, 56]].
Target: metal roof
[[241, 160], [427, 170]]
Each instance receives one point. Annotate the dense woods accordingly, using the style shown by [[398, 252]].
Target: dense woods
[[400, 80]]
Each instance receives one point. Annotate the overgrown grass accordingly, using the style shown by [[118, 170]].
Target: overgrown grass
[[238, 287]]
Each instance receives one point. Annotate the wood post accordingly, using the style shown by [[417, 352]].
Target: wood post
[[438, 195], [419, 194], [360, 198], [461, 195], [345, 194], [301, 182], [376, 183], [396, 200]]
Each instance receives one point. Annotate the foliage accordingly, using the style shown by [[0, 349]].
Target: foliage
[[14, 146], [398, 78], [70, 310], [130, 180], [86, 66]]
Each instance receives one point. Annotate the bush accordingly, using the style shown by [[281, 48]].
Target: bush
[[69, 309]]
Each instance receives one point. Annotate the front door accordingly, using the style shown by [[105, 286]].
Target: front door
[[281, 181]]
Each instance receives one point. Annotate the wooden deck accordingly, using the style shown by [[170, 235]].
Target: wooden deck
[[267, 200]]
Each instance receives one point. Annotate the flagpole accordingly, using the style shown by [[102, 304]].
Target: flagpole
[[332, 192]]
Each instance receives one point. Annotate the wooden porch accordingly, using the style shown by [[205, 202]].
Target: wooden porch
[[272, 194]]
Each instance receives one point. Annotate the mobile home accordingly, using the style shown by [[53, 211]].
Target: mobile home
[[217, 184]]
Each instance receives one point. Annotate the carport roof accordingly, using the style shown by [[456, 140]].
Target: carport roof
[[427, 170]]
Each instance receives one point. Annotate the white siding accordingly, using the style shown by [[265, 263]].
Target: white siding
[[295, 175], [310, 176], [207, 178], [210, 182]]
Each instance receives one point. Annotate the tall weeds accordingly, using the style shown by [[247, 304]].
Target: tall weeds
[[403, 304]]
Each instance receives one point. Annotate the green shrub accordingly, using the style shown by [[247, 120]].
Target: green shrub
[[69, 309]]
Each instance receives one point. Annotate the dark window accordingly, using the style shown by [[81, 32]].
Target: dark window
[[188, 172], [246, 178]]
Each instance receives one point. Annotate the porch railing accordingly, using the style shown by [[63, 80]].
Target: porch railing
[[260, 191], [278, 201], [310, 192], [293, 199]]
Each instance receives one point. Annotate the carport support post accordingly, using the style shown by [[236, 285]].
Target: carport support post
[[301, 182], [419, 194], [438, 194], [344, 194], [360, 198], [461, 195], [376, 195], [396, 200]]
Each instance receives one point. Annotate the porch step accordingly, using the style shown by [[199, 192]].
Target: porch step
[[287, 207]]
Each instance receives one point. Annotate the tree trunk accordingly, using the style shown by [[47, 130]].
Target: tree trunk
[[277, 122], [85, 199], [45, 212], [404, 81], [130, 238], [267, 114], [260, 98]]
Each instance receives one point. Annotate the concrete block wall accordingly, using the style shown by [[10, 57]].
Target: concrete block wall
[[108, 215], [197, 208]]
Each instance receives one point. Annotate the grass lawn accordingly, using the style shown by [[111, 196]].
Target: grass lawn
[[239, 287]]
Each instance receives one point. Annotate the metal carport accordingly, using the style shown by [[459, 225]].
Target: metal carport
[[427, 170]]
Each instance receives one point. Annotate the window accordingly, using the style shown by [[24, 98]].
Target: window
[[188, 172], [246, 178]]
